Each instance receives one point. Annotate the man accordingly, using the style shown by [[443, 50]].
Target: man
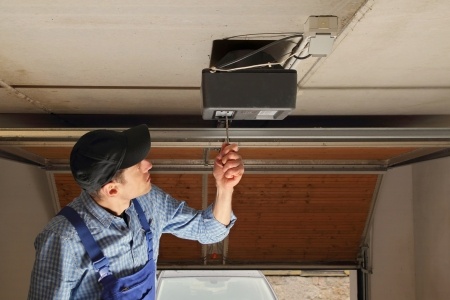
[[104, 244]]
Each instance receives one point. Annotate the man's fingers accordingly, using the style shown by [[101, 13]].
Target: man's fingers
[[230, 156], [226, 148], [231, 164]]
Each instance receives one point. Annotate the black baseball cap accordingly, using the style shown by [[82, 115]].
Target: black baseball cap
[[99, 154]]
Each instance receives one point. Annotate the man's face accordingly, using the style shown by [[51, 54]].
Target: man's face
[[136, 180]]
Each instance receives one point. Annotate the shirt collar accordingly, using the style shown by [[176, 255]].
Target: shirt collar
[[104, 217]]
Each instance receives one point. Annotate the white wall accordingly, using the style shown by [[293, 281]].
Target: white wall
[[411, 234], [431, 190], [26, 207], [392, 244]]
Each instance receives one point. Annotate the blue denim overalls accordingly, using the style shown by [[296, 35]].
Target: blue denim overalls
[[138, 286]]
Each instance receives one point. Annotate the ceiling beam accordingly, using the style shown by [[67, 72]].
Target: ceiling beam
[[42, 121], [248, 137]]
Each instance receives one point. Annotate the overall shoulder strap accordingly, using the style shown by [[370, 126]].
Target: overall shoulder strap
[[146, 226], [100, 262]]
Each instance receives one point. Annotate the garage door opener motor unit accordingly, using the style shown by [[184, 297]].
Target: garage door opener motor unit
[[267, 93]]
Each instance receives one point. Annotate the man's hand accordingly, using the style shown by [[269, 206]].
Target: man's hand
[[228, 170], [228, 167]]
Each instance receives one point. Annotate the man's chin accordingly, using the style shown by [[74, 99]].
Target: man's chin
[[146, 191]]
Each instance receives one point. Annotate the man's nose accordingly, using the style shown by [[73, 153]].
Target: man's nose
[[146, 165]]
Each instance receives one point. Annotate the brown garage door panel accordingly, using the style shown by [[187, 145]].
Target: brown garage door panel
[[291, 255], [281, 218], [292, 218], [173, 249]]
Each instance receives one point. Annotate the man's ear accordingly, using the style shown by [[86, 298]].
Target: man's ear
[[110, 189]]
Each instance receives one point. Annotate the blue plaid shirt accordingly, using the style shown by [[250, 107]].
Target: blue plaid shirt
[[63, 269]]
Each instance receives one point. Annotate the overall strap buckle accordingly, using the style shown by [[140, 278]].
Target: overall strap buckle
[[101, 266]]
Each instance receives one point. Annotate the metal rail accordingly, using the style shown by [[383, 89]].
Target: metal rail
[[273, 137]]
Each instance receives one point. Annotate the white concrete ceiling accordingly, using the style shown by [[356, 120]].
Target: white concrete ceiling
[[146, 57]]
